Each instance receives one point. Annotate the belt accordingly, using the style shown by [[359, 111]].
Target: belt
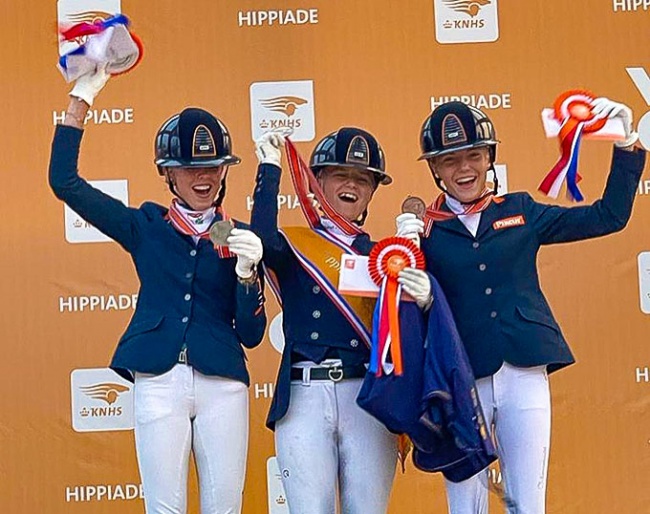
[[334, 373], [182, 356]]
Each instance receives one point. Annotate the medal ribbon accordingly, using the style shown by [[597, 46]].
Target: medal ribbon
[[179, 221], [303, 181], [435, 212]]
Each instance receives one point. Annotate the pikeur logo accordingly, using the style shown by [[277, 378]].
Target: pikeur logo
[[101, 400], [513, 221], [283, 105], [466, 21]]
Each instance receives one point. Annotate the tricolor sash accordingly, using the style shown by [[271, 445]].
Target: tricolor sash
[[319, 254]]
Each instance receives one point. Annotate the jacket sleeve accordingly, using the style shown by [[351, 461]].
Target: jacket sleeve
[[106, 213], [556, 224], [264, 218], [250, 316]]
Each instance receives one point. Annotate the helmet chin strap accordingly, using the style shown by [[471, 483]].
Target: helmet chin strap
[[442, 187], [219, 199]]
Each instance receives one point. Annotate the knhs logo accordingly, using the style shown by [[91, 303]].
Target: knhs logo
[[107, 392], [284, 104], [87, 17], [471, 7]]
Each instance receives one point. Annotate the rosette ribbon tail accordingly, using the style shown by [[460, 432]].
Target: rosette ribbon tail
[[393, 292], [566, 167], [386, 338]]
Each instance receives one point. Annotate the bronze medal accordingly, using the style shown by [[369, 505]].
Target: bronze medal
[[220, 231], [414, 205]]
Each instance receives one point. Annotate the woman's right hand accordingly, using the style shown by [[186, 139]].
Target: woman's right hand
[[85, 89], [268, 148], [88, 86]]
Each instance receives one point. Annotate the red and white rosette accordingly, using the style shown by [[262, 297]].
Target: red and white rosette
[[387, 258], [573, 109], [106, 42]]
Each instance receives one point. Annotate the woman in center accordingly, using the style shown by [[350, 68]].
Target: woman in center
[[325, 443]]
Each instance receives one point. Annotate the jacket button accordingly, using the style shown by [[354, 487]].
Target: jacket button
[[488, 290], [354, 343], [188, 297], [193, 253], [475, 244], [482, 267], [316, 314], [315, 289], [185, 319], [493, 314], [188, 275], [314, 336]]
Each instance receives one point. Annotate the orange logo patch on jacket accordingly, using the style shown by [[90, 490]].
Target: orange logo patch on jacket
[[513, 221]]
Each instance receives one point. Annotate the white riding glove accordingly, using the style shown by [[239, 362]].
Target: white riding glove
[[409, 226], [416, 284], [88, 86], [268, 148], [248, 249], [606, 108]]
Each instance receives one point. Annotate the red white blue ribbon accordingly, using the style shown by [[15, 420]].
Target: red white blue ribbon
[[326, 286], [387, 258], [573, 110], [81, 31]]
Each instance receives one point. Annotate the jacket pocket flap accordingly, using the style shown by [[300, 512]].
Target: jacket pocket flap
[[539, 317], [142, 326]]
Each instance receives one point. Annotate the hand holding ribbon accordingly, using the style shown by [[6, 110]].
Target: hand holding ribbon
[[388, 258], [580, 113], [574, 110]]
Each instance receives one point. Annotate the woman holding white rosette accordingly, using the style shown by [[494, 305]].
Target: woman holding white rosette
[[198, 305], [483, 250]]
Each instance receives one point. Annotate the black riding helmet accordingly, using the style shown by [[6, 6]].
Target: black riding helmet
[[194, 138]]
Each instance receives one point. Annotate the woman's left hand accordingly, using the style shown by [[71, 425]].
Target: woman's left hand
[[416, 283], [248, 249], [605, 108]]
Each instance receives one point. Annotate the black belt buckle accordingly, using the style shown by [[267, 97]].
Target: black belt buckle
[[335, 373]]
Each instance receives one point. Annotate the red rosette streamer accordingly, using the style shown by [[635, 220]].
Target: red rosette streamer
[[304, 181], [573, 110], [387, 258]]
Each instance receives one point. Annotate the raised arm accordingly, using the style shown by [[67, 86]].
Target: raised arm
[[264, 218], [106, 213]]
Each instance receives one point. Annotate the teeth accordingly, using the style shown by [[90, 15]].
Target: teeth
[[465, 180], [202, 189], [348, 196]]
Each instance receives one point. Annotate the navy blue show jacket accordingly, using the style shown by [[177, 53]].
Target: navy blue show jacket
[[312, 324], [188, 297], [491, 280]]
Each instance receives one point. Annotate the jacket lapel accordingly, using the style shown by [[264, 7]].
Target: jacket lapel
[[489, 216]]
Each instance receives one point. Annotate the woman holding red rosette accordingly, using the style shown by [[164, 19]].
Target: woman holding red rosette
[[483, 250], [333, 455], [197, 306]]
